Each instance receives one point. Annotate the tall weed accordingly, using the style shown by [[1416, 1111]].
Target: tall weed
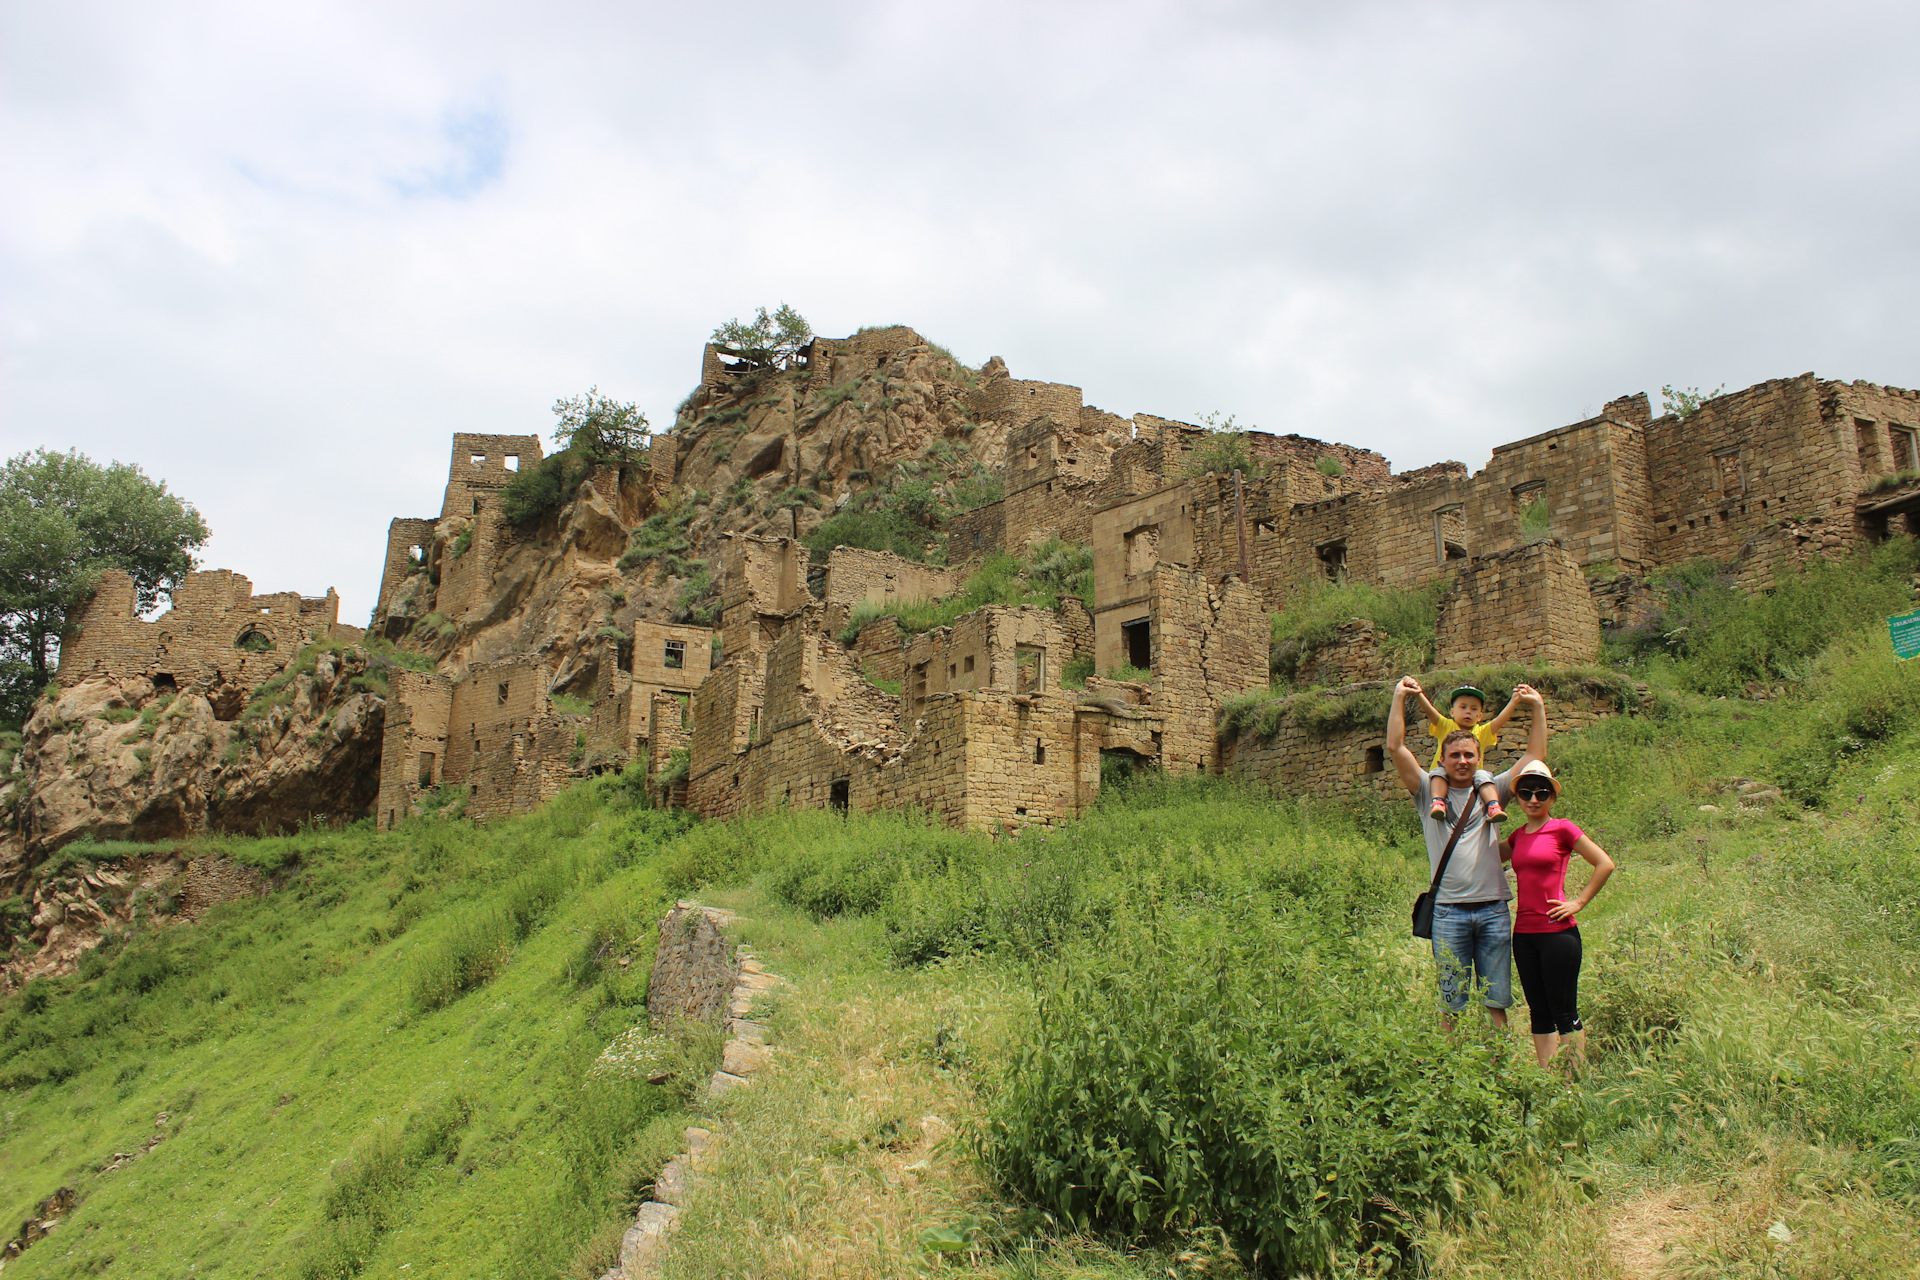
[[1238, 1068]]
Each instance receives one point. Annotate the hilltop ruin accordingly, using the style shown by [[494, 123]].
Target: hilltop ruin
[[678, 612]]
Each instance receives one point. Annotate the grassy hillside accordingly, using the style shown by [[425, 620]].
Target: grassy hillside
[[1187, 1034]]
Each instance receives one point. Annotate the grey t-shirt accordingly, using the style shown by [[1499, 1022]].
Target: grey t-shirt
[[1474, 873]]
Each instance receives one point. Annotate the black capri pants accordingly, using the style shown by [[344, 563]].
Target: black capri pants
[[1549, 965]]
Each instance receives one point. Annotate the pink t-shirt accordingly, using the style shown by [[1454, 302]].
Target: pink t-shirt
[[1540, 873]]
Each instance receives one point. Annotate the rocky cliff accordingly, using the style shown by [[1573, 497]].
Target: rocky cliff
[[117, 759]]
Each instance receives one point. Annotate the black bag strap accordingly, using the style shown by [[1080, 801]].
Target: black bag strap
[[1446, 855]]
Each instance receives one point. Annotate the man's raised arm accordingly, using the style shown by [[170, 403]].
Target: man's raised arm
[[1537, 732], [1412, 776]]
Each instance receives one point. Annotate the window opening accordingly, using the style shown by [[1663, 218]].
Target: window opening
[[685, 702], [476, 506], [1029, 668], [1039, 751], [426, 768], [1732, 474], [1530, 510], [1450, 533], [1376, 759], [676, 655], [969, 662], [838, 795], [1137, 638], [503, 691], [251, 641], [1864, 444], [479, 459], [1906, 452], [1142, 550], [513, 462], [1333, 560]]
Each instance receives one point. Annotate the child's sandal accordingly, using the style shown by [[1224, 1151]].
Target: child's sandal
[[1496, 813], [1439, 809]]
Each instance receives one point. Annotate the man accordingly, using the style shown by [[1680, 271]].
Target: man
[[1472, 933]]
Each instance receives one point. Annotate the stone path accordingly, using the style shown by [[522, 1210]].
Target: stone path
[[745, 1052]]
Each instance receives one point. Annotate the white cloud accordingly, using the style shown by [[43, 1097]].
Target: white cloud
[[279, 254]]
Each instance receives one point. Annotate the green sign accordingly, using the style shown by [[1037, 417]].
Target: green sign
[[1905, 630]]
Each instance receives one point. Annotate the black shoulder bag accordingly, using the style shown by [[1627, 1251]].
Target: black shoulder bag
[[1423, 905]]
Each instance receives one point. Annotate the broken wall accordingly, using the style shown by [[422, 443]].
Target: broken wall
[[217, 636], [855, 576], [1528, 605], [482, 466]]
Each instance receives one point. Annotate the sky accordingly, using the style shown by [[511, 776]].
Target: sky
[[277, 254]]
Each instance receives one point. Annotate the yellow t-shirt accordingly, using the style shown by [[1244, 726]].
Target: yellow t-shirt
[[1443, 726]]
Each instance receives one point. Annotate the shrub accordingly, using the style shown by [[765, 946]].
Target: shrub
[[534, 491], [1224, 1067], [663, 537], [1724, 638]]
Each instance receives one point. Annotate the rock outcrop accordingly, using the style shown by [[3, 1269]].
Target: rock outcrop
[[114, 758]]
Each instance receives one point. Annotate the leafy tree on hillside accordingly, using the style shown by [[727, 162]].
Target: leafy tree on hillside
[[64, 518], [770, 341], [604, 430], [593, 431]]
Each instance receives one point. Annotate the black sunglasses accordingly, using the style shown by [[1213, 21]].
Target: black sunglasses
[[1534, 793]]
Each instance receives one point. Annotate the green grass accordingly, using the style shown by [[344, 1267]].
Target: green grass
[[1404, 622], [1049, 571], [285, 1034]]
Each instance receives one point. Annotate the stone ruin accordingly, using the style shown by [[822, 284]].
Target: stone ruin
[[217, 638], [1545, 545]]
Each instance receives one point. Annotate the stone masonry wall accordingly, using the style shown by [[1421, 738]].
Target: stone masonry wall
[[480, 468], [1719, 479], [403, 536], [855, 576], [196, 643], [1528, 605]]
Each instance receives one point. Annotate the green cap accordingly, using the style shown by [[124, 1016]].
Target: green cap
[[1466, 691]]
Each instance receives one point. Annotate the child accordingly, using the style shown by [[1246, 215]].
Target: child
[[1467, 706], [1546, 936]]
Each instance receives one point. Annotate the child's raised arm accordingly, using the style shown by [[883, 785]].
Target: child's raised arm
[[1499, 722], [1426, 706]]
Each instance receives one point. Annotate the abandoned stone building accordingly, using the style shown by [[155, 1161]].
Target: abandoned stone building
[[216, 638]]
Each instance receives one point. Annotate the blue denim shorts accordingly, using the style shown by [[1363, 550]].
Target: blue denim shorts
[[1473, 945]]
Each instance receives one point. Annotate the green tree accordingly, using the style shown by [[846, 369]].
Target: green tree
[[64, 518], [770, 341], [605, 431]]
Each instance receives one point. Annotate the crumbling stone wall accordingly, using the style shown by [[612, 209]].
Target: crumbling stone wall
[[856, 576], [409, 544], [208, 882], [1726, 479], [413, 743], [1209, 643], [482, 466], [977, 533], [207, 640], [666, 659], [1531, 604], [1353, 655]]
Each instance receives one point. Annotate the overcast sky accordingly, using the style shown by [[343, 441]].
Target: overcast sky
[[277, 254]]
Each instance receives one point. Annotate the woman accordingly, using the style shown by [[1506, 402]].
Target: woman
[[1546, 937]]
